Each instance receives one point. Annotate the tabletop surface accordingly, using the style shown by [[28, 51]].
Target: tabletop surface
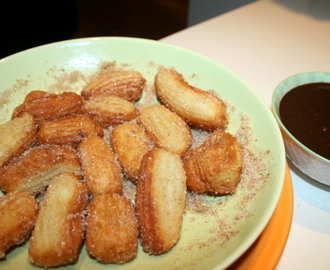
[[265, 42]]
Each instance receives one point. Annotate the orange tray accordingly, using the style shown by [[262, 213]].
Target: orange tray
[[268, 248]]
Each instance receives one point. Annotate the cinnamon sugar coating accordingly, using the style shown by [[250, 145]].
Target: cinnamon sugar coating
[[16, 136], [216, 165], [112, 233], [18, 211], [59, 230], [46, 106], [34, 169], [68, 130], [100, 167], [160, 200], [130, 143], [199, 108], [110, 110], [125, 84]]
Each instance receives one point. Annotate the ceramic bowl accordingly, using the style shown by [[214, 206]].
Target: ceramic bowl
[[220, 234], [306, 160]]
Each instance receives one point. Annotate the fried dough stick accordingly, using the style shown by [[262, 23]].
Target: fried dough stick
[[34, 169], [59, 230], [112, 232], [160, 200], [110, 110], [166, 128], [216, 165], [101, 169], [126, 84], [18, 211], [71, 129], [16, 136], [199, 108], [46, 106], [130, 143]]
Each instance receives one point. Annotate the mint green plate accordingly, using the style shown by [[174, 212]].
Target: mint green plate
[[230, 224]]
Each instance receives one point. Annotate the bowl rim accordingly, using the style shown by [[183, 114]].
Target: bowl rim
[[275, 108]]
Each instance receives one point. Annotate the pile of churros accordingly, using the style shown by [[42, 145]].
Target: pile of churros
[[63, 178]]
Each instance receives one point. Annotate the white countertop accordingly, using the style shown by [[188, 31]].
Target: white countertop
[[265, 42]]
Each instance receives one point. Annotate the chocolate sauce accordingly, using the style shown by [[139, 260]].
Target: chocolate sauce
[[305, 112]]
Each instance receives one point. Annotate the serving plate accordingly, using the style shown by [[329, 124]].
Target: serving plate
[[216, 229], [267, 250]]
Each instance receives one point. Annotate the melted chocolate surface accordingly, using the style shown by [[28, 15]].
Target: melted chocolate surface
[[305, 112]]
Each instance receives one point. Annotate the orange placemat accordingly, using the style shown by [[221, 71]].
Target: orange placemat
[[267, 249]]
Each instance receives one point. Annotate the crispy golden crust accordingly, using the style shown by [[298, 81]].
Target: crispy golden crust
[[45, 106], [101, 169], [68, 130], [34, 169], [59, 230], [18, 211], [130, 142], [109, 111], [124, 83], [16, 136], [112, 233], [199, 108], [160, 200], [214, 166], [166, 128]]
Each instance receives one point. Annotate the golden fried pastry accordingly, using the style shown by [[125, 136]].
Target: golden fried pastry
[[18, 211], [112, 232], [59, 230], [16, 136], [130, 143], [199, 108], [126, 84], [68, 130], [109, 111], [166, 128], [45, 106], [101, 169], [160, 200], [34, 169], [216, 165]]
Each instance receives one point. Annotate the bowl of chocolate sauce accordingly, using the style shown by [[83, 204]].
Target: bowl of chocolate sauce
[[301, 105]]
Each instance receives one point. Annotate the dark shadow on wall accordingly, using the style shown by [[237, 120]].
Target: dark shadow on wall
[[26, 24], [201, 10], [319, 9], [153, 19]]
